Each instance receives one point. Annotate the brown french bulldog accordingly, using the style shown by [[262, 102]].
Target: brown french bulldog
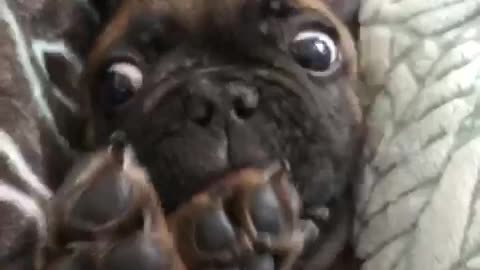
[[242, 112], [214, 94]]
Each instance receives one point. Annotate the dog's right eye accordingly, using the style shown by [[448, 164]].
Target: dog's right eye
[[315, 51], [120, 82]]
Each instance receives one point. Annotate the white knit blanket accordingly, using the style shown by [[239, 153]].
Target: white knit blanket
[[418, 206]]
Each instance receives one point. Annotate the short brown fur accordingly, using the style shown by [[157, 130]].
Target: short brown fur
[[198, 15], [194, 14]]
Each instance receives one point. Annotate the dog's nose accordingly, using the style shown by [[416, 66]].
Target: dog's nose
[[210, 100], [245, 99], [201, 109]]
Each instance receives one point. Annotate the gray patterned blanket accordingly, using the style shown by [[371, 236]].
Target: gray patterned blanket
[[418, 206], [41, 47]]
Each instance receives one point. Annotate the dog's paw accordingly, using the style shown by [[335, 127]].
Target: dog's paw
[[107, 216], [249, 220]]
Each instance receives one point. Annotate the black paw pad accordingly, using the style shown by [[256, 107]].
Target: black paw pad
[[140, 252], [214, 232], [259, 262], [103, 202], [266, 212], [103, 195]]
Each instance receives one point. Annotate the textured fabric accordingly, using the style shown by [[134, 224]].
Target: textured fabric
[[41, 43], [418, 206]]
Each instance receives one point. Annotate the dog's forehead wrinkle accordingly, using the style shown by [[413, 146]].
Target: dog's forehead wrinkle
[[198, 16], [204, 84], [212, 18]]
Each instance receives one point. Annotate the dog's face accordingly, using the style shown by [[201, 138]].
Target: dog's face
[[203, 88]]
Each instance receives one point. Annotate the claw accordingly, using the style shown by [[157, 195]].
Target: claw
[[310, 231]]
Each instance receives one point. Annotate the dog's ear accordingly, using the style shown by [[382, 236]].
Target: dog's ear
[[105, 8], [346, 10]]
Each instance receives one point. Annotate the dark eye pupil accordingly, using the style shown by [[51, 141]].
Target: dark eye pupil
[[118, 89], [312, 53]]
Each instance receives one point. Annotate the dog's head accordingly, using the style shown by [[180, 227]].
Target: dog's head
[[202, 88]]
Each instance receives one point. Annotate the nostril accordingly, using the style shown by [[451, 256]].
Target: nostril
[[200, 111], [245, 105], [245, 99], [243, 109]]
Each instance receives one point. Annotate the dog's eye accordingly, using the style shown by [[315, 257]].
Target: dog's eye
[[121, 81], [316, 52]]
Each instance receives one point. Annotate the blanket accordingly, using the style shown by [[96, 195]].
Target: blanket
[[42, 44], [419, 202]]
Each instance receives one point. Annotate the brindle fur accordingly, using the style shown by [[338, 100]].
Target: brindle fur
[[314, 124], [151, 20], [316, 127]]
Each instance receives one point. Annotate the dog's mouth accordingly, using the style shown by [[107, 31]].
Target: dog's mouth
[[265, 206], [249, 209], [233, 178], [225, 184], [220, 182]]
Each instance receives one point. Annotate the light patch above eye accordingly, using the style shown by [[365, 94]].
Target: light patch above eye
[[130, 71]]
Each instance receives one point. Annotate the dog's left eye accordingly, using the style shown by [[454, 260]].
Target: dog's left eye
[[121, 81], [316, 52]]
